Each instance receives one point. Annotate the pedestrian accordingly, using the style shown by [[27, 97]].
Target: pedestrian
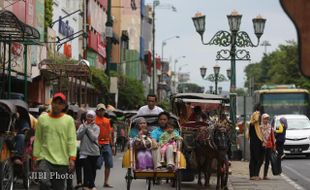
[[256, 147], [150, 108], [280, 136], [143, 144], [55, 145], [81, 117], [88, 133], [106, 141], [268, 141], [163, 119]]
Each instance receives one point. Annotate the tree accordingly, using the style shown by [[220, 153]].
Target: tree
[[190, 87], [101, 82], [131, 93], [278, 67]]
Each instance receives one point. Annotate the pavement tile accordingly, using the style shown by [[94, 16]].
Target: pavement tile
[[239, 179]]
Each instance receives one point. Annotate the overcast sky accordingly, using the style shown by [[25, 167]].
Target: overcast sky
[[278, 30]]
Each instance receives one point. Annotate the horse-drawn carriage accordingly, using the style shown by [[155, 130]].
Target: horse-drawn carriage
[[205, 131], [11, 113], [151, 174]]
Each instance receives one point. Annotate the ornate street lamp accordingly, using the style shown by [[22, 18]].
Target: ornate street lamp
[[235, 38], [228, 71], [216, 77]]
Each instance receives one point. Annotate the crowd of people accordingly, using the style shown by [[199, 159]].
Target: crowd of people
[[63, 145], [264, 141]]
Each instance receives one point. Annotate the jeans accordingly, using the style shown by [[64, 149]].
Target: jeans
[[55, 176], [20, 144]]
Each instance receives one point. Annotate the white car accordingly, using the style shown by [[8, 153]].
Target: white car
[[297, 139]]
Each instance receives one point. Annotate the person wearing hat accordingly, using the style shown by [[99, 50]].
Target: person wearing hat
[[106, 141], [54, 148]]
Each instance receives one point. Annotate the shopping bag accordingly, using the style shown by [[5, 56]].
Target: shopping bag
[[275, 163], [99, 162]]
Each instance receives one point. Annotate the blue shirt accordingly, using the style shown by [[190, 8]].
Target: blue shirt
[[156, 133], [133, 133]]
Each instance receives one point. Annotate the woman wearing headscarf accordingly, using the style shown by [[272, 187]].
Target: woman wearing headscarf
[[280, 135], [143, 144], [268, 141], [256, 147]]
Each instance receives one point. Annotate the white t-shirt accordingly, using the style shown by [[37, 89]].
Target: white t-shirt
[[145, 110]]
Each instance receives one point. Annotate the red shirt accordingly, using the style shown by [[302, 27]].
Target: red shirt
[[106, 131]]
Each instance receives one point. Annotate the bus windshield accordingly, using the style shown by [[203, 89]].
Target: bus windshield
[[285, 103]]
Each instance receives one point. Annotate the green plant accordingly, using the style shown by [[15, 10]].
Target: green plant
[[101, 82], [48, 16]]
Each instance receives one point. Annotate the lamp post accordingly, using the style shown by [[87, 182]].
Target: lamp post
[[163, 43], [216, 77], [156, 3], [175, 72], [234, 39], [180, 68]]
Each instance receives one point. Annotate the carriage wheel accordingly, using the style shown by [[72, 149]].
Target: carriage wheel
[[128, 178], [178, 180], [26, 176], [6, 175], [148, 184]]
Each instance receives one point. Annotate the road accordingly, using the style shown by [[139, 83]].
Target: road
[[118, 180], [298, 170]]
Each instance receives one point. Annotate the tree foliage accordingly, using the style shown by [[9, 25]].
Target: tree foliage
[[48, 17], [190, 87], [131, 93], [101, 82], [279, 67]]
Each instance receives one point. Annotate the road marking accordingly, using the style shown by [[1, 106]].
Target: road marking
[[292, 182]]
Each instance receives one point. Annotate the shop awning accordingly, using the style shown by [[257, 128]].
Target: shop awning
[[14, 30], [79, 70]]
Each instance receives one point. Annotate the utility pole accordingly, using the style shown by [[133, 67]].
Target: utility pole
[[109, 35]]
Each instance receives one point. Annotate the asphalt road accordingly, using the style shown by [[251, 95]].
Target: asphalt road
[[298, 170], [118, 180]]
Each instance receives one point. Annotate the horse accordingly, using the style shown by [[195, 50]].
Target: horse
[[212, 143]]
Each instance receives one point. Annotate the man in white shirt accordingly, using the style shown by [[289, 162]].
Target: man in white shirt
[[150, 108]]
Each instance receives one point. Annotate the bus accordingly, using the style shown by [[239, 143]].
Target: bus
[[282, 99]]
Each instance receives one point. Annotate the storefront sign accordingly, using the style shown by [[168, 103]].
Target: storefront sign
[[65, 29]]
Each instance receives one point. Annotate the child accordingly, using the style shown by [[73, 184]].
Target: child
[[268, 142], [169, 137], [143, 144]]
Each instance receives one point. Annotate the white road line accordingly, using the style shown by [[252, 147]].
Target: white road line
[[296, 173], [294, 184]]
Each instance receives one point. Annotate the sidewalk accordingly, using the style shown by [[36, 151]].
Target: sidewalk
[[239, 179]]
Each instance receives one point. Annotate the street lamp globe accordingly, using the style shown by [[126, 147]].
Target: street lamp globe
[[228, 73], [203, 71], [234, 21], [216, 69], [199, 22], [259, 26]]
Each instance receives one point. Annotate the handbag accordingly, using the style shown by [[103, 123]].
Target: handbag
[[100, 159], [275, 163]]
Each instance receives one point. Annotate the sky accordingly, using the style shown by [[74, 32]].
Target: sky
[[278, 30]]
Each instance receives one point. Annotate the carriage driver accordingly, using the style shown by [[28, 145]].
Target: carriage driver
[[163, 119]]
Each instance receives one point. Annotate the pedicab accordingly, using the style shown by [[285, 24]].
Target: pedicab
[[198, 129], [10, 111], [151, 175], [7, 120]]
